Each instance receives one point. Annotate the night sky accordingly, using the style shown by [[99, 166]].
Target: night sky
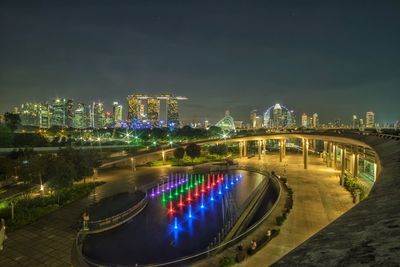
[[336, 58]]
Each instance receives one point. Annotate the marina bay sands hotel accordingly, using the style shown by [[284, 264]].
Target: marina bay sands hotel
[[149, 109]]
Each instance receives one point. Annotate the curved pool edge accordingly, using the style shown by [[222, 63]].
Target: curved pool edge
[[80, 260]]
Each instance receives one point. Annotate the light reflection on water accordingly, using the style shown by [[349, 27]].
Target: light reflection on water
[[151, 236]]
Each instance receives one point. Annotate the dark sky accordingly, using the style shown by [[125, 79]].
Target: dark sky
[[335, 58]]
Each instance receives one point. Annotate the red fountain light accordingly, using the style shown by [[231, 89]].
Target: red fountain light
[[196, 192], [171, 209], [189, 198]]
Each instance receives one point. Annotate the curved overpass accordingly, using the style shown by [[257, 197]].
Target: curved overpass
[[369, 232]]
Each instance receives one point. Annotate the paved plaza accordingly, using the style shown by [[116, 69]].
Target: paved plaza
[[318, 199]]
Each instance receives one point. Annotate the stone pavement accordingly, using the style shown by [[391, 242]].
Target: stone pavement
[[48, 241], [318, 200]]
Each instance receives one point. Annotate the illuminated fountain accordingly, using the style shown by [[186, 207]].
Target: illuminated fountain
[[176, 223]]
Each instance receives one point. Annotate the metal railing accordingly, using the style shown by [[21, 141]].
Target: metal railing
[[113, 221], [204, 254]]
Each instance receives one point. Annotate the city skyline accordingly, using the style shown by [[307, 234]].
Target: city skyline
[[326, 57]]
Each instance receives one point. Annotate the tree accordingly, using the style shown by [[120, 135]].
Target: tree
[[193, 151], [6, 136], [62, 174], [12, 120], [220, 150], [179, 153]]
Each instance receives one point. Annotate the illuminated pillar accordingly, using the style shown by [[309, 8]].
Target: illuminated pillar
[[355, 162], [264, 146], [375, 170], [305, 152], [334, 156], [163, 155], [325, 151], [343, 165], [259, 149], [245, 148], [328, 156], [314, 144], [240, 149]]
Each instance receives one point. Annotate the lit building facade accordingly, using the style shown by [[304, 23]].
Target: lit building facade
[[315, 120], [172, 111], [153, 110], [253, 119], [44, 116], [370, 120], [79, 117], [117, 112], [304, 120], [99, 116], [69, 113], [136, 107], [59, 111]]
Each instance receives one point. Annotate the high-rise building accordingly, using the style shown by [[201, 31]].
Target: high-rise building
[[59, 111], [370, 120], [253, 119], [99, 116], [44, 116], [315, 120], [172, 111], [88, 117], [108, 119], [79, 117], [354, 123], [29, 114], [117, 112], [304, 120], [136, 107], [153, 110], [69, 113]]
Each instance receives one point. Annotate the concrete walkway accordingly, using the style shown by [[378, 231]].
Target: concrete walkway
[[318, 200], [48, 241]]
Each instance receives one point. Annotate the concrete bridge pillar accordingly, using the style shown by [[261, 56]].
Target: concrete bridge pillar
[[305, 153], [334, 148], [355, 161], [343, 165], [265, 146], [325, 151], [259, 149], [240, 149], [245, 148], [329, 155]]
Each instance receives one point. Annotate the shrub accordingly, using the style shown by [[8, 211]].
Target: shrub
[[280, 220]]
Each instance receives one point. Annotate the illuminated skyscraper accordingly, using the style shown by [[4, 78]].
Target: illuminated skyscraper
[[69, 113], [79, 117], [153, 110], [108, 119], [135, 107], [29, 114], [172, 111], [117, 112], [253, 119], [88, 117], [370, 120], [355, 122], [304, 120], [59, 111], [99, 116], [315, 120], [44, 116]]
